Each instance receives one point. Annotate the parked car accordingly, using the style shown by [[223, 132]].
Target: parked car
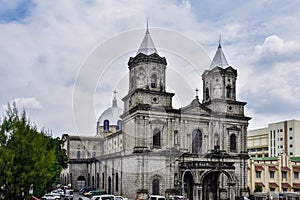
[[94, 193], [120, 198], [177, 197], [68, 195], [51, 197], [84, 190], [156, 197], [103, 197], [84, 198]]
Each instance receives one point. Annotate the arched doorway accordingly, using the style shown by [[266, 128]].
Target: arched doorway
[[188, 183], [109, 185], [80, 182], [217, 184]]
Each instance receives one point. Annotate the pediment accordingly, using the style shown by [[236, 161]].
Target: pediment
[[195, 107]]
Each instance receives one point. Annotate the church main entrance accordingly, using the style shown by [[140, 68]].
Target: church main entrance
[[188, 183], [217, 185]]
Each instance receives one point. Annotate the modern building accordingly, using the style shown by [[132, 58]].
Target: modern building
[[274, 174], [277, 138], [199, 150]]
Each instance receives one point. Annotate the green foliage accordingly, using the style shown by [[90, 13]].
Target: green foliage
[[258, 188], [28, 156]]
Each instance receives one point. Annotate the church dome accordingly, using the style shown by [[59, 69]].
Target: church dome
[[111, 114]]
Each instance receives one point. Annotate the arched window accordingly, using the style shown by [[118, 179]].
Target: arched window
[[106, 125], [197, 142], [206, 94], [155, 187], [232, 142], [98, 180], [109, 185], [78, 154], [117, 182], [228, 91], [153, 81], [103, 184], [93, 182], [156, 137], [119, 125]]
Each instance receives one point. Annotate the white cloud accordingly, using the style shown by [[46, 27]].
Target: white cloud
[[41, 54], [26, 103]]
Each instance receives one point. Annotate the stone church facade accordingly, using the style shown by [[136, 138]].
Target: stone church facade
[[198, 151]]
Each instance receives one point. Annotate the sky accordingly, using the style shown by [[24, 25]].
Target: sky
[[50, 55]]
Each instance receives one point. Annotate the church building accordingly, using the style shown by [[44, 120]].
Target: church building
[[151, 148]]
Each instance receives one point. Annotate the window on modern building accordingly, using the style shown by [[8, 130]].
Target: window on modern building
[[291, 145], [117, 182], [272, 174], [291, 153], [281, 139], [197, 142], [258, 174], [156, 137], [283, 175], [281, 130], [291, 129], [296, 175], [153, 81], [155, 187], [119, 124], [281, 146], [259, 149], [284, 189], [106, 125], [78, 154], [291, 137], [233, 142]]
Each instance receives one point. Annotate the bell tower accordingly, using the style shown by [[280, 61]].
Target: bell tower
[[147, 77], [219, 86]]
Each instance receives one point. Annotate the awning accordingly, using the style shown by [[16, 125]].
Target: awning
[[273, 168], [296, 168], [296, 185], [285, 169], [260, 184], [285, 185], [259, 168], [273, 185]]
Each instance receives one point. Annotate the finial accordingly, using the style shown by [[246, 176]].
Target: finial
[[115, 99], [196, 93], [147, 31], [220, 41]]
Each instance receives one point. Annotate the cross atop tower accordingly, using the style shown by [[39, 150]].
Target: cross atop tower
[[196, 90], [115, 99]]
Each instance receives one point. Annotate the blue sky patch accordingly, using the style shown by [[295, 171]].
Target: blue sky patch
[[15, 11]]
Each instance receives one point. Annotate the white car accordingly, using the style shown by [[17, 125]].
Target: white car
[[156, 197], [120, 198], [103, 197], [84, 198], [51, 197]]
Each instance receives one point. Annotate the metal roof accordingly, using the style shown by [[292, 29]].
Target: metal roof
[[147, 46], [219, 59]]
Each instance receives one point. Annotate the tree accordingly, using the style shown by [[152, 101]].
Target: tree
[[28, 156]]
